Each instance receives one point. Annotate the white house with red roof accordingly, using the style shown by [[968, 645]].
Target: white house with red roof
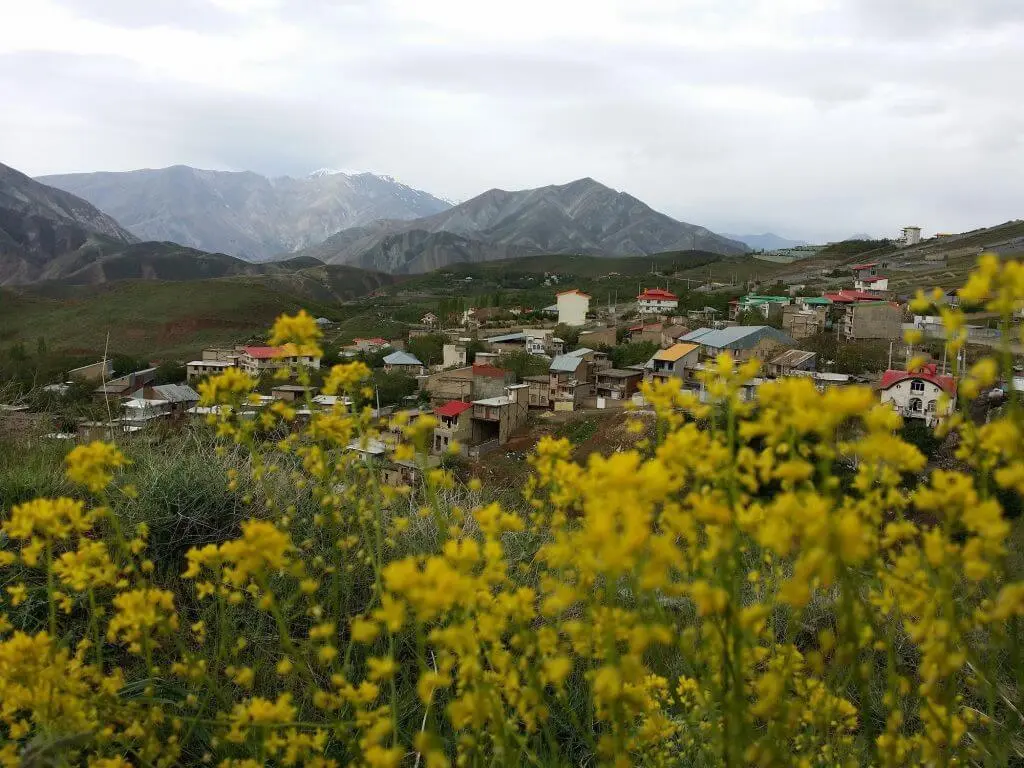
[[656, 301], [573, 306], [918, 394], [259, 360], [866, 277]]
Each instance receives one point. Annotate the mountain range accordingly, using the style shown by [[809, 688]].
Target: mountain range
[[40, 226], [245, 214], [581, 217], [364, 221], [767, 241]]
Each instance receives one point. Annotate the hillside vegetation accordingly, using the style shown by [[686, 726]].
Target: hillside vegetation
[[747, 586]]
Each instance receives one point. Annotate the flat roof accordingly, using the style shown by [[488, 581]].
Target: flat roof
[[494, 401], [619, 373], [213, 363]]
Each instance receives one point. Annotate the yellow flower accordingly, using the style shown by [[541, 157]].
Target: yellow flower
[[299, 330], [50, 518], [346, 378], [90, 465], [142, 615]]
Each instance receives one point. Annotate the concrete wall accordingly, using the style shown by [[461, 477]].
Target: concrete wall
[[96, 372], [572, 308], [874, 321]]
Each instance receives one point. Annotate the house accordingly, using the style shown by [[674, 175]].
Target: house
[[429, 319], [916, 395], [123, 386], [616, 385], [507, 342], [790, 361], [598, 337], [101, 370], [198, 369], [573, 306], [871, 320], [376, 344], [877, 283], [453, 425], [468, 383], [671, 334], [404, 362], [753, 302], [221, 354], [673, 362], [656, 301], [495, 419], [740, 341], [569, 381], [289, 393], [323, 322], [538, 390], [455, 355], [707, 315], [257, 361], [807, 317], [141, 412], [861, 271], [178, 397], [640, 332]]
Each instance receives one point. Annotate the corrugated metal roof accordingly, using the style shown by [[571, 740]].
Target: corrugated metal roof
[[737, 337], [401, 358], [506, 338], [565, 363], [792, 357], [171, 393]]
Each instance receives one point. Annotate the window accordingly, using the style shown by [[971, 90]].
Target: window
[[917, 386], [930, 408], [916, 405]]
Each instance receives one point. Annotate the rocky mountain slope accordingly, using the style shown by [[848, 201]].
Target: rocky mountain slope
[[245, 214], [39, 224], [582, 217]]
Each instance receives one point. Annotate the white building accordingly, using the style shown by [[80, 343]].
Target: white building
[[197, 369], [911, 235], [655, 301], [573, 306], [259, 360], [876, 283], [455, 355], [916, 395]]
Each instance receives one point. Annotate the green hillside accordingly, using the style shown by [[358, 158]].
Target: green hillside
[[152, 319]]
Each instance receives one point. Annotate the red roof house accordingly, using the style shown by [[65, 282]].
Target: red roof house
[[657, 294], [452, 408], [926, 373]]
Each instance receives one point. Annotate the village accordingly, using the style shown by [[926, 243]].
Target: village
[[481, 402]]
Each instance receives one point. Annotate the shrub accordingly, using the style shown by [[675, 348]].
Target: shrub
[[713, 597]]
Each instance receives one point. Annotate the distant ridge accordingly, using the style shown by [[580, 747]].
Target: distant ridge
[[245, 214], [581, 217]]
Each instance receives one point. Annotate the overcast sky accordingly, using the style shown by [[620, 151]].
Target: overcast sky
[[811, 118]]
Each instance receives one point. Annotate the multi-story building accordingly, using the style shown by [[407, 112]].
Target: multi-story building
[[871, 320], [404, 362], [455, 355], [617, 385], [573, 306], [197, 369], [454, 425], [257, 361], [919, 394], [808, 318], [569, 381], [672, 362], [656, 301], [790, 362], [741, 341], [538, 390], [753, 302], [495, 419]]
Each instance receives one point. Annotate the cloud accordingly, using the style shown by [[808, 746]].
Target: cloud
[[812, 119]]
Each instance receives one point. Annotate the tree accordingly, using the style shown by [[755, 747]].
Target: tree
[[170, 372], [632, 354], [522, 364], [392, 387], [568, 334], [429, 349]]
